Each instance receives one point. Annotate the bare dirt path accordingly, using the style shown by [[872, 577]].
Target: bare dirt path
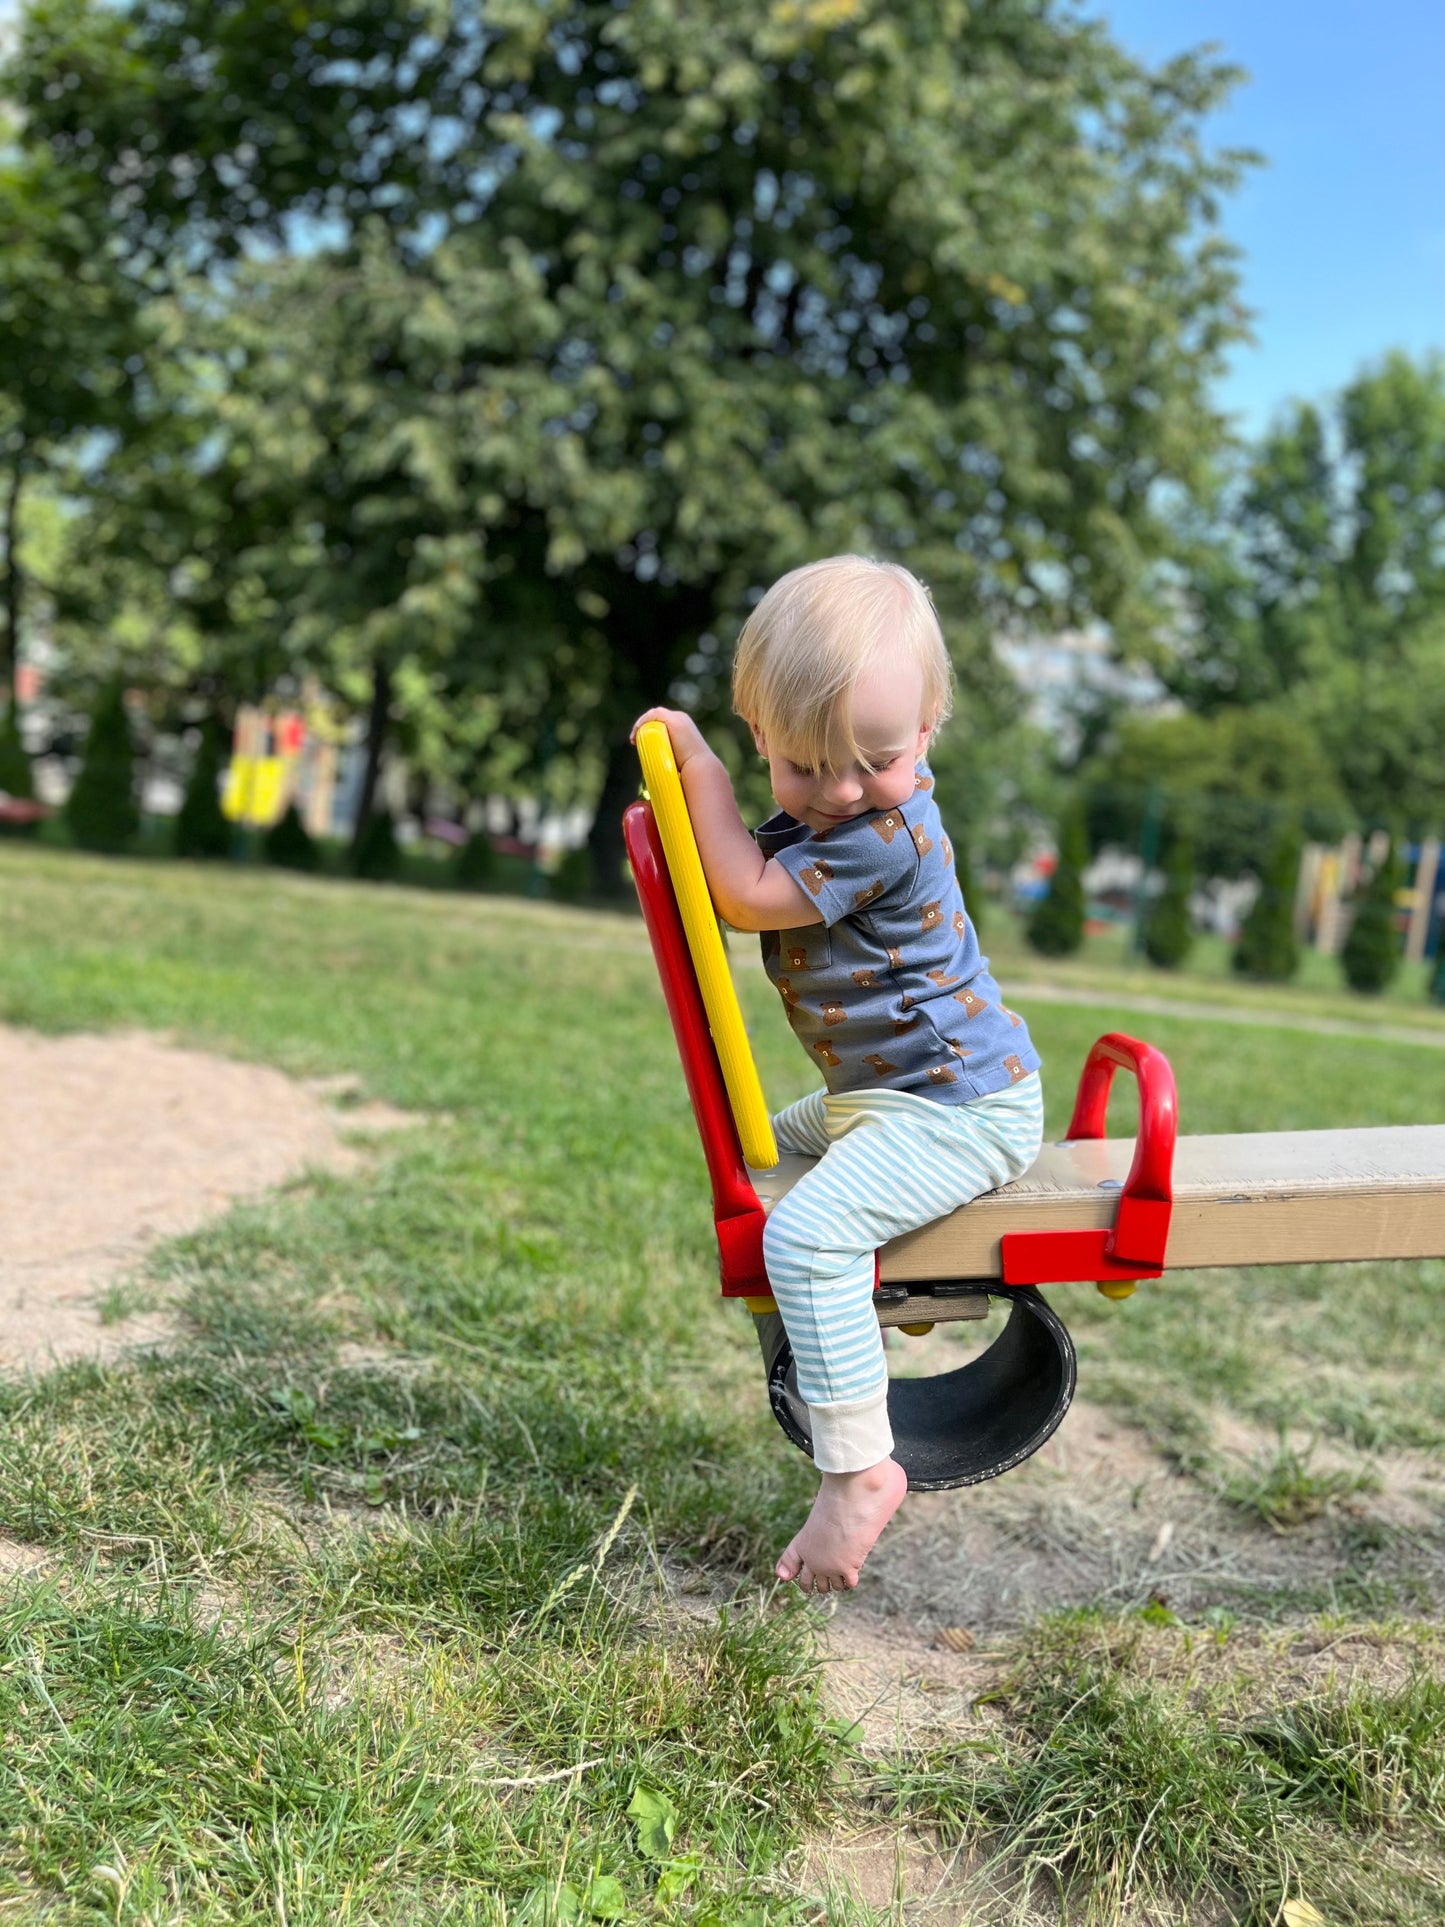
[[110, 1143]]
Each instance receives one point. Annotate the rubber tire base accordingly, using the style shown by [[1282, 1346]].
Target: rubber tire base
[[965, 1426]]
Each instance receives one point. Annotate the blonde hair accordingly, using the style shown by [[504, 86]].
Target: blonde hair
[[815, 633]]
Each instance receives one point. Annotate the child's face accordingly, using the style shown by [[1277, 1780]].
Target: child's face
[[891, 732]]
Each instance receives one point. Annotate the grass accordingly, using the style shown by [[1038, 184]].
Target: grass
[[366, 1601]]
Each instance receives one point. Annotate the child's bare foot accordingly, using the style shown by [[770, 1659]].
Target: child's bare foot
[[850, 1511]]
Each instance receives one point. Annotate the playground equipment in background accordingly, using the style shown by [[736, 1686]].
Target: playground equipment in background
[[1113, 1211]]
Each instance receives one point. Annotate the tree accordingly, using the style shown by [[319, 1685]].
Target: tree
[[1267, 949], [101, 808], [1056, 927], [1315, 585], [1168, 928], [377, 856], [201, 826], [289, 844], [709, 290], [1230, 779], [1372, 954], [16, 777], [73, 338]]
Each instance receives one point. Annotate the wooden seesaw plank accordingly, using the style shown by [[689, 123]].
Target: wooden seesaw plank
[[1258, 1198]]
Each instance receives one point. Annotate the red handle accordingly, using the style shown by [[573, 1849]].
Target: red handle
[[1135, 1247], [1141, 1229]]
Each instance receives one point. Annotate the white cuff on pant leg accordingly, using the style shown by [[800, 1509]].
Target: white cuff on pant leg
[[850, 1438]]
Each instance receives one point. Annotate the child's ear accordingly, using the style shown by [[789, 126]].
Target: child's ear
[[759, 739]]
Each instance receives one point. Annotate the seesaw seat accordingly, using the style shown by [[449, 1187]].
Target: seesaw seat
[[1257, 1198], [1109, 1210]]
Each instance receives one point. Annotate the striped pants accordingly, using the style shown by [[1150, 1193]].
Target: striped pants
[[888, 1162]]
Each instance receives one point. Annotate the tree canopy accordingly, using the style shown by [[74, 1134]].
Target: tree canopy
[[645, 304]]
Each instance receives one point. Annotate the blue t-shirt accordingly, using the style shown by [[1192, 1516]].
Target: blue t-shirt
[[890, 991]]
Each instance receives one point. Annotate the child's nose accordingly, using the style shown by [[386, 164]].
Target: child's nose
[[843, 787]]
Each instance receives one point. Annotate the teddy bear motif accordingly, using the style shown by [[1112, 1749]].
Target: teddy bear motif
[[829, 1056], [1015, 1068], [1012, 1015], [941, 978], [941, 1074], [957, 1048], [972, 1004], [787, 991], [816, 875], [947, 851], [895, 958], [931, 915], [833, 1014], [866, 979], [888, 825], [922, 841], [797, 956], [901, 1024], [959, 925], [862, 897], [922, 782], [881, 1065]]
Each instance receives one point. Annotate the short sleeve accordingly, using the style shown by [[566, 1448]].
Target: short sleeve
[[847, 870]]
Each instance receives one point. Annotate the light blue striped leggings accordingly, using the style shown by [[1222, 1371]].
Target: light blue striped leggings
[[888, 1162]]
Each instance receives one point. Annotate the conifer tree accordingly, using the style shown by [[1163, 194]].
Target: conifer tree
[[1056, 928], [475, 866], [102, 810], [16, 778], [1267, 949], [1371, 955], [1168, 928], [378, 854], [202, 830], [289, 844]]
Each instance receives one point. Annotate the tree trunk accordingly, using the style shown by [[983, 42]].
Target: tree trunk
[[10, 661], [378, 717], [619, 788]]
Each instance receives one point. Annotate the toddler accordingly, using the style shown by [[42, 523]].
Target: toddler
[[933, 1093]]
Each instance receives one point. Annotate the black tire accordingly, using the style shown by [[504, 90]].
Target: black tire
[[965, 1426]]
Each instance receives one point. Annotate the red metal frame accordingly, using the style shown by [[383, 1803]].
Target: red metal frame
[[737, 1213], [1135, 1246]]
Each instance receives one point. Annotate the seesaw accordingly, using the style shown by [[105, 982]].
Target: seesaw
[[1111, 1211]]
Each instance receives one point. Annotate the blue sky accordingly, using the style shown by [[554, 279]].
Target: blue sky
[[1344, 229]]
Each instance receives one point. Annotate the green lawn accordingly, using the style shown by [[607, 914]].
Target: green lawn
[[363, 1601]]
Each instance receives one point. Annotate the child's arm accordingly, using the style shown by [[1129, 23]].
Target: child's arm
[[747, 891]]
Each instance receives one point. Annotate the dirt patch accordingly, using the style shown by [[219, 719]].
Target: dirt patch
[[111, 1143]]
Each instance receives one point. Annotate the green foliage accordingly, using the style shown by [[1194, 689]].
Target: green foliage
[[1267, 948], [1168, 928], [202, 829], [378, 854], [1318, 582], [1056, 926], [645, 363], [1372, 953], [1229, 780], [576, 875], [475, 864], [101, 809], [16, 777], [289, 844]]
